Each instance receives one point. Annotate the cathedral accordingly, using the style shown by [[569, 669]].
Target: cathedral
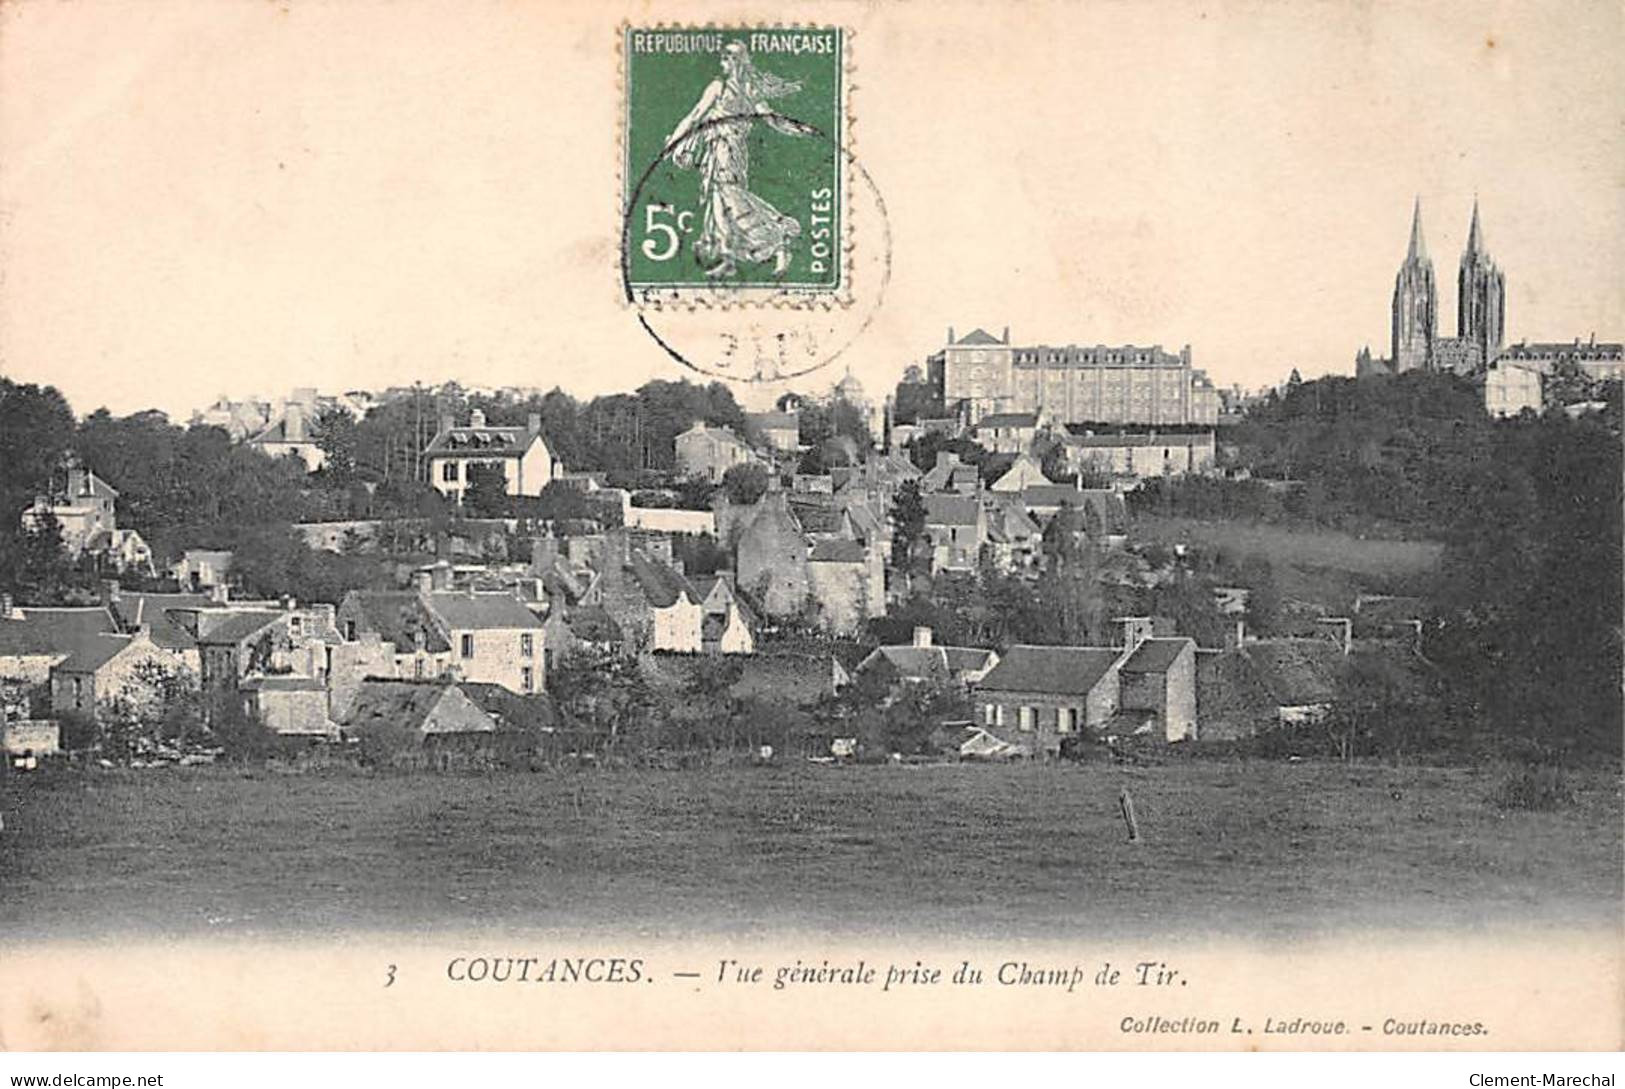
[[1480, 311]]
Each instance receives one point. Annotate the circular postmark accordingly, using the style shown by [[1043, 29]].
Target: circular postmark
[[747, 266]]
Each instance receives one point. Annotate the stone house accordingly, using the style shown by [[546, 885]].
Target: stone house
[[771, 558], [1037, 696], [709, 452], [956, 529], [1141, 455], [1015, 541], [781, 431], [923, 661], [951, 475], [291, 433], [1024, 472], [493, 638], [33, 641], [1158, 695], [1007, 432], [291, 705], [201, 569], [423, 723], [848, 584], [108, 674], [728, 625], [527, 464]]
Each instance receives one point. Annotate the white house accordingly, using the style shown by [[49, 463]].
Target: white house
[[521, 453]]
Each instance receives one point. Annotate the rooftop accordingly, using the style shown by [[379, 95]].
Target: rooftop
[[1058, 670]]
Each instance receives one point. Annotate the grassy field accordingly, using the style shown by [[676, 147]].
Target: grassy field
[[1311, 563], [1240, 848]]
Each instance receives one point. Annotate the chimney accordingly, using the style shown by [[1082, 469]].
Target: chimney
[[1136, 630], [422, 581], [533, 423], [293, 421], [922, 636], [476, 418], [8, 607], [950, 334], [219, 594], [440, 576], [1006, 334], [1236, 636]]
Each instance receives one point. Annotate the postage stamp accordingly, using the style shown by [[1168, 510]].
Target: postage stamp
[[735, 165]]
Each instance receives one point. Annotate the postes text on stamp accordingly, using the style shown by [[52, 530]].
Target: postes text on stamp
[[734, 168]]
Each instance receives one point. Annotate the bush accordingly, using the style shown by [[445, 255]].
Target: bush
[[1539, 789]]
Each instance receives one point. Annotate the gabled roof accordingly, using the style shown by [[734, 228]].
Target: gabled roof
[[821, 518], [933, 663], [91, 652], [395, 615], [951, 510], [775, 421], [134, 609], [231, 628], [978, 336], [837, 550], [592, 624], [482, 442], [662, 585], [1060, 670], [461, 610], [1156, 655], [394, 705], [44, 632]]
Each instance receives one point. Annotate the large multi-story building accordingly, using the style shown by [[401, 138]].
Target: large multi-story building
[[990, 376], [1414, 312]]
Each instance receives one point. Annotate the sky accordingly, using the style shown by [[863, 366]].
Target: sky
[[221, 196]]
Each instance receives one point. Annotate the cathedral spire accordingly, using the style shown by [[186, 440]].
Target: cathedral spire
[[1419, 247], [1475, 237]]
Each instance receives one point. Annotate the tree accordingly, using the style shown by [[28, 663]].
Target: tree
[[908, 523], [487, 493], [338, 435], [745, 484]]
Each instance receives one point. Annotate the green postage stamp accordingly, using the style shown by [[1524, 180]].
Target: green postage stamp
[[735, 164]]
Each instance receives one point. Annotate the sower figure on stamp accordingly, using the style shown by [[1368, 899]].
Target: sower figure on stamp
[[738, 225]]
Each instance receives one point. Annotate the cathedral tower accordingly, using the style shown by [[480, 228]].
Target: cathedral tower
[[1415, 309], [1480, 298]]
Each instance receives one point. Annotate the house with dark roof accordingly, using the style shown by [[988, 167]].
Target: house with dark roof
[[200, 570], [291, 434], [923, 661], [1015, 541], [956, 529], [489, 636], [426, 724], [709, 452], [1038, 696], [847, 581], [950, 474], [34, 640], [1265, 683], [781, 431], [521, 453], [728, 625], [104, 675]]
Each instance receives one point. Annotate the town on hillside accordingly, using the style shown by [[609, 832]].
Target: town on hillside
[[1021, 552]]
